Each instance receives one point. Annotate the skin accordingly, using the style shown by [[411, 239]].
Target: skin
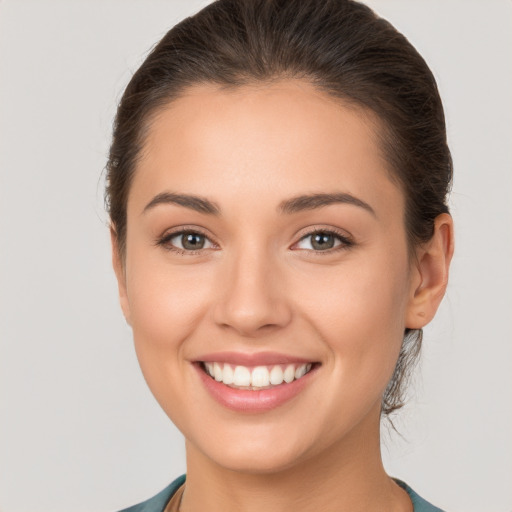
[[259, 285]]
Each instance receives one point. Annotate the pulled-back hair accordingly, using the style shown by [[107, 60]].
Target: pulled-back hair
[[340, 46]]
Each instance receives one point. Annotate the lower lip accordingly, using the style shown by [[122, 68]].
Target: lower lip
[[243, 400]]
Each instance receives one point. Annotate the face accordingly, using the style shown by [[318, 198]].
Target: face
[[266, 275]]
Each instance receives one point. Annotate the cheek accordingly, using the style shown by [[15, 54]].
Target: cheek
[[164, 299], [166, 305], [359, 312]]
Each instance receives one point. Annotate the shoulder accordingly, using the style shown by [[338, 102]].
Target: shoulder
[[158, 503], [420, 505]]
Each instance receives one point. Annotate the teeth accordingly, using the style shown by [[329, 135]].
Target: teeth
[[276, 376], [228, 376], [300, 371], [289, 373], [258, 377], [242, 376], [217, 372]]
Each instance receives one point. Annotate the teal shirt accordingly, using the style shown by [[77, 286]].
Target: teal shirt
[[419, 504], [158, 503]]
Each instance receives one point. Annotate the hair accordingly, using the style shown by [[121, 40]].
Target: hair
[[341, 47]]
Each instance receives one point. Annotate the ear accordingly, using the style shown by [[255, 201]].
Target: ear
[[430, 274], [119, 269]]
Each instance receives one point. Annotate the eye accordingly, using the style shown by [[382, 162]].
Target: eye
[[186, 241], [323, 240]]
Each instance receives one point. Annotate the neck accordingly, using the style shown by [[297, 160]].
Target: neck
[[346, 477]]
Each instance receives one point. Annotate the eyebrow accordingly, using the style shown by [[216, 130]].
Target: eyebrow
[[313, 201], [197, 203], [289, 206]]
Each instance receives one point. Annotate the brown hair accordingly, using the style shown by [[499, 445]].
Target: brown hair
[[340, 46]]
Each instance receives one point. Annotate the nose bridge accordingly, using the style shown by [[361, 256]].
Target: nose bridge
[[253, 297]]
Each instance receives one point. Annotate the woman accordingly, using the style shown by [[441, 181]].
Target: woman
[[277, 188]]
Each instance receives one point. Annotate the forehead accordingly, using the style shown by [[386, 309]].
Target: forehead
[[266, 140]]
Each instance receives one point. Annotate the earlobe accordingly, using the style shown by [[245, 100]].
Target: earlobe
[[430, 278], [119, 269]]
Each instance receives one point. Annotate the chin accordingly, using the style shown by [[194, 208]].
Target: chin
[[255, 462], [256, 450]]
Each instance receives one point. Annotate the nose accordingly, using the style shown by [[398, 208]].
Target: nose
[[252, 297]]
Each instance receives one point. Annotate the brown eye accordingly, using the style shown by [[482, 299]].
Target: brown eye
[[192, 241], [184, 241], [323, 241]]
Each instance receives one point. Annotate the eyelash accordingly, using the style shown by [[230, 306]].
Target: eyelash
[[345, 241], [164, 241]]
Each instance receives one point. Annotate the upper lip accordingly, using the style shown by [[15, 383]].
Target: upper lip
[[255, 359]]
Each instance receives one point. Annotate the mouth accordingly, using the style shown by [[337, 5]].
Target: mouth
[[256, 378], [255, 383]]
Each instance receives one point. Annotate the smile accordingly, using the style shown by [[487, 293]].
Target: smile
[[255, 383], [258, 377]]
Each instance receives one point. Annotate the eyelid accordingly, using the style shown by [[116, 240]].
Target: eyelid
[[164, 239], [345, 238]]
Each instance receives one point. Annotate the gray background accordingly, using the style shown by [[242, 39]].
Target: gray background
[[79, 431]]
